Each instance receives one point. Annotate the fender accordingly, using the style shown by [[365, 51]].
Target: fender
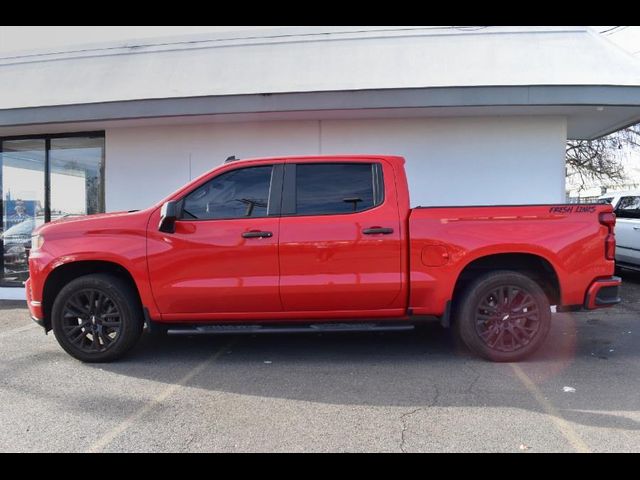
[[432, 288], [508, 249], [138, 273], [118, 239]]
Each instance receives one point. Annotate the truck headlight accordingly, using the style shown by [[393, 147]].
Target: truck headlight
[[36, 242]]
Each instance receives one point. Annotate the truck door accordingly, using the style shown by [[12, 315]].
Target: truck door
[[340, 238], [223, 256]]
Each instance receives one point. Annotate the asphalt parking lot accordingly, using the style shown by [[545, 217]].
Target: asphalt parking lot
[[380, 392]]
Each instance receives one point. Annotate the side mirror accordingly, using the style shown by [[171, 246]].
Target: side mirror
[[168, 217]]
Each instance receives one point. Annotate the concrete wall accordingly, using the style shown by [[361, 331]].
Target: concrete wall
[[450, 161]]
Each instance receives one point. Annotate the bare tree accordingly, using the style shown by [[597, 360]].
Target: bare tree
[[601, 160]]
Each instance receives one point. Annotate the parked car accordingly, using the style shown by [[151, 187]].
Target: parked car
[[626, 206], [16, 241], [317, 244]]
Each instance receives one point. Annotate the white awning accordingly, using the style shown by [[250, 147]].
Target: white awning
[[572, 70]]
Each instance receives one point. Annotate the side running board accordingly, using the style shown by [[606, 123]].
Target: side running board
[[312, 328]]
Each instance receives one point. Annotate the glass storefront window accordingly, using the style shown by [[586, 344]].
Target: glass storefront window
[[72, 167], [23, 203], [76, 166]]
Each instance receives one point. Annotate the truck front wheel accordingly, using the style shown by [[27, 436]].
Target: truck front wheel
[[97, 318], [503, 316]]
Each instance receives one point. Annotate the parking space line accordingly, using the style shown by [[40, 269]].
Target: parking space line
[[560, 423], [13, 331], [108, 437]]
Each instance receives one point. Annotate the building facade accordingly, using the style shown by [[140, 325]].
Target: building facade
[[481, 115]]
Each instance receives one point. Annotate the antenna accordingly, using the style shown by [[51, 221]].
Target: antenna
[[232, 158]]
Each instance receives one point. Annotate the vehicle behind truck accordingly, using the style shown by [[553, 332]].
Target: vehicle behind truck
[[626, 206], [317, 244]]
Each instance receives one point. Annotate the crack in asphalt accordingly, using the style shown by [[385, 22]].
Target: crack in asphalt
[[478, 375], [405, 416], [403, 423]]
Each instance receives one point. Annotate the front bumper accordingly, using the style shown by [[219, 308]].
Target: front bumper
[[35, 308], [604, 292]]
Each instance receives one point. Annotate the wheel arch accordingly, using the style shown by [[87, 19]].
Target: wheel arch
[[535, 266], [65, 273]]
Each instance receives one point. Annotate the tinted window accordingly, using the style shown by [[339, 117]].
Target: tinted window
[[334, 188], [236, 194], [628, 207]]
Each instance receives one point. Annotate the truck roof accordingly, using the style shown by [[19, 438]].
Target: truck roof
[[332, 157]]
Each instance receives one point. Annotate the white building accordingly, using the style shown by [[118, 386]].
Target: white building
[[482, 115]]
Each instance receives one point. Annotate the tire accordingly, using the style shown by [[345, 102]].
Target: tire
[[97, 318], [503, 316]]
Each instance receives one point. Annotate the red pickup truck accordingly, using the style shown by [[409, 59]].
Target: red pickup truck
[[322, 243]]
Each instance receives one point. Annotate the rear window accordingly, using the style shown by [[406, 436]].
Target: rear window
[[337, 188]]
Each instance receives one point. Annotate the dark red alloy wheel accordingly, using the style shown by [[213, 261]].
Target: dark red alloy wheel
[[507, 318]]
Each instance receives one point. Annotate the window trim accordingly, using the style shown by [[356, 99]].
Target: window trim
[[273, 202], [289, 193]]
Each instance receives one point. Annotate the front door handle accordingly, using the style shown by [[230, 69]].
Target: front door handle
[[377, 230], [257, 234], [636, 228]]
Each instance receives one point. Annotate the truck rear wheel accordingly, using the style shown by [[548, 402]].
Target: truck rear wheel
[[503, 316], [97, 318]]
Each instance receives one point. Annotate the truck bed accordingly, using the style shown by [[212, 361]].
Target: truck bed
[[568, 238]]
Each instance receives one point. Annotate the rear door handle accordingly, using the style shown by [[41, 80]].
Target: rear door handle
[[377, 230], [257, 234], [636, 228]]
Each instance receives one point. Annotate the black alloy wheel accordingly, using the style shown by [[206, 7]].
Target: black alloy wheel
[[97, 318], [91, 321]]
